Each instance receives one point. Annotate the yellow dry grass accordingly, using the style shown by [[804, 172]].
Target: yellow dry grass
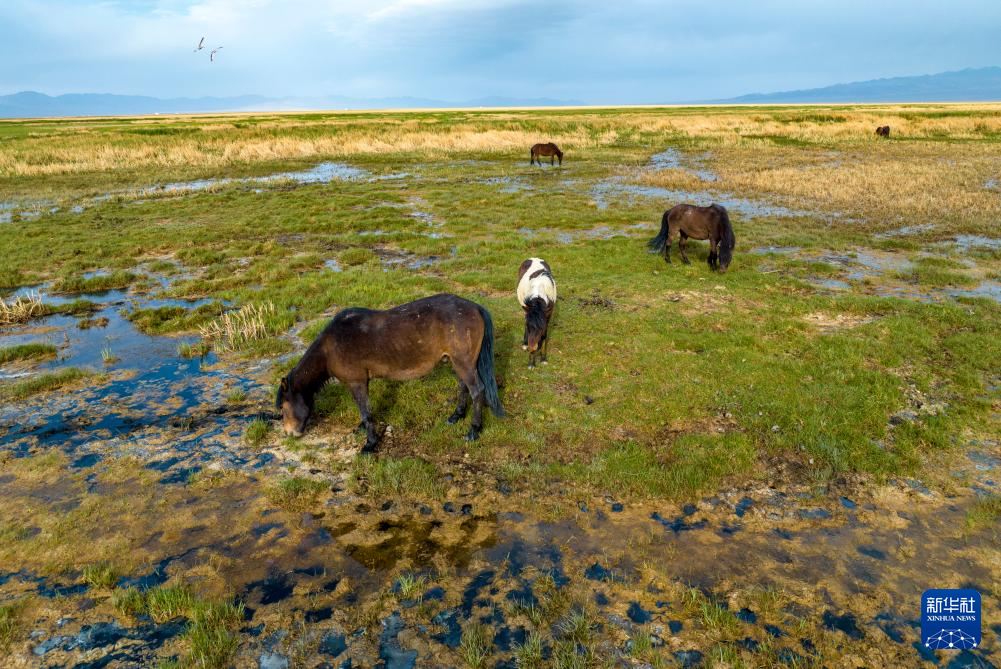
[[888, 183], [222, 147], [234, 329], [21, 309]]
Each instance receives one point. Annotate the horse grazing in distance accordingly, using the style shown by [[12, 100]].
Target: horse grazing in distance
[[883, 131], [402, 343], [546, 150], [688, 220], [537, 297]]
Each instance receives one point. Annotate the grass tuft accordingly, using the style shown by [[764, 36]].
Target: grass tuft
[[27, 352], [101, 575], [388, 477], [211, 632], [76, 285], [236, 330], [296, 494], [42, 383], [257, 431], [10, 623], [22, 309], [986, 512], [476, 644], [529, 654]]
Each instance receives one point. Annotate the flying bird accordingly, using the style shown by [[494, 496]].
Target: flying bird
[[201, 44], [213, 53]]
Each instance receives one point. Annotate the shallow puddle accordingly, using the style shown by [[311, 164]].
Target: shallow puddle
[[671, 159], [323, 173]]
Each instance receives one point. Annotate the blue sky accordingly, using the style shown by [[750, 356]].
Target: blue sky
[[595, 51]]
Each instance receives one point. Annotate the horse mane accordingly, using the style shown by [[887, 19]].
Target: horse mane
[[536, 315]]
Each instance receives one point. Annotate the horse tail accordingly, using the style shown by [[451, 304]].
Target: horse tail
[[727, 239], [485, 365], [657, 243]]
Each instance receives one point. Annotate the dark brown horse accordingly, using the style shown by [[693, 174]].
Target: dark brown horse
[[883, 131], [402, 343], [537, 297], [547, 151], [688, 220]]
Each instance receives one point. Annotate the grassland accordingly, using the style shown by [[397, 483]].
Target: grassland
[[665, 381]]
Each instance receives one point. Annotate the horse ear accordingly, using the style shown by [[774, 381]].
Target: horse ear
[[284, 384]]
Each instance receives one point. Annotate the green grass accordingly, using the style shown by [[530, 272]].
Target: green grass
[[716, 618], [172, 319], [476, 645], [935, 277], [78, 284], [985, 513], [388, 477], [41, 383], [257, 431], [10, 624], [211, 634], [237, 396], [529, 654], [101, 575], [296, 493], [356, 256], [27, 352], [662, 351], [197, 349], [411, 586]]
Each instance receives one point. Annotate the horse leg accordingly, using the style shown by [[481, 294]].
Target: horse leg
[[359, 391], [668, 244], [462, 407], [544, 346], [682, 239], [713, 255], [469, 377]]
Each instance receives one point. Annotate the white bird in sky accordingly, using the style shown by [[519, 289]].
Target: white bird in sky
[[213, 53], [201, 45]]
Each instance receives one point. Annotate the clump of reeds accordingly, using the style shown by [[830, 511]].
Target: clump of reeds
[[234, 329], [22, 309]]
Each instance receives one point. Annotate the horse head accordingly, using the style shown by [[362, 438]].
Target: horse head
[[293, 407], [536, 323]]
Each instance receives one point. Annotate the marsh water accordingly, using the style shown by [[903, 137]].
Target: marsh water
[[323, 587]]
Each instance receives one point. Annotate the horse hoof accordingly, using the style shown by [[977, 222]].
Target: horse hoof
[[531, 365], [472, 435], [453, 419], [524, 347], [545, 362]]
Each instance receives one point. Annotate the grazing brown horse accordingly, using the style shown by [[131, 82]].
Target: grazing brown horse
[[688, 220], [546, 150], [402, 343], [883, 131], [537, 297]]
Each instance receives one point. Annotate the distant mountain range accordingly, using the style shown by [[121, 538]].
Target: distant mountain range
[[980, 85], [983, 84], [34, 105]]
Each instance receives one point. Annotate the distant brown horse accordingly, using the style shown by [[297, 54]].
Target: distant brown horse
[[688, 220], [402, 343], [546, 150], [537, 297], [883, 131]]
